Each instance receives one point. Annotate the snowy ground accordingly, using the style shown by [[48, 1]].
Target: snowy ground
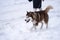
[[13, 26]]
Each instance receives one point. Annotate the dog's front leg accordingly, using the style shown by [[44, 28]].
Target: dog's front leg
[[34, 27], [34, 24]]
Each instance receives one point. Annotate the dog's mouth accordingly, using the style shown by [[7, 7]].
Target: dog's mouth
[[27, 20]]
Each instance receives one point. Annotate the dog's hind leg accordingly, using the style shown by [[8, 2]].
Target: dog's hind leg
[[46, 22], [41, 25], [46, 25]]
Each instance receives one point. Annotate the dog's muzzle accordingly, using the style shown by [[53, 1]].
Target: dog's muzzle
[[27, 19]]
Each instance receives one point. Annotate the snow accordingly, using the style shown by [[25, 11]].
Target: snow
[[13, 26]]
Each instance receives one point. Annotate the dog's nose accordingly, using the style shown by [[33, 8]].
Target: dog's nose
[[25, 19]]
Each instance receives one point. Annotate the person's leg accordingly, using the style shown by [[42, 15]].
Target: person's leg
[[40, 9], [40, 6]]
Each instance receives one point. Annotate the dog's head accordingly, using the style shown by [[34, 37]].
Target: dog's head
[[28, 16]]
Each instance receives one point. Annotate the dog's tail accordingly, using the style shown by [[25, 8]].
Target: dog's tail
[[48, 8]]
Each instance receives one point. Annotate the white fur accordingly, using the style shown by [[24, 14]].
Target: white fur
[[34, 22]]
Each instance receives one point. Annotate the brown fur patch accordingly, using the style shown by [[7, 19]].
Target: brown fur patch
[[40, 16]]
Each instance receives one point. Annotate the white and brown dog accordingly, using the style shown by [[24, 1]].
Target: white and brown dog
[[38, 16]]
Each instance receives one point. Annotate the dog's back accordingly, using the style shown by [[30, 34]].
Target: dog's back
[[42, 15], [39, 16]]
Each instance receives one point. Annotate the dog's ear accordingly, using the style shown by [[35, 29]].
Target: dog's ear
[[27, 11]]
